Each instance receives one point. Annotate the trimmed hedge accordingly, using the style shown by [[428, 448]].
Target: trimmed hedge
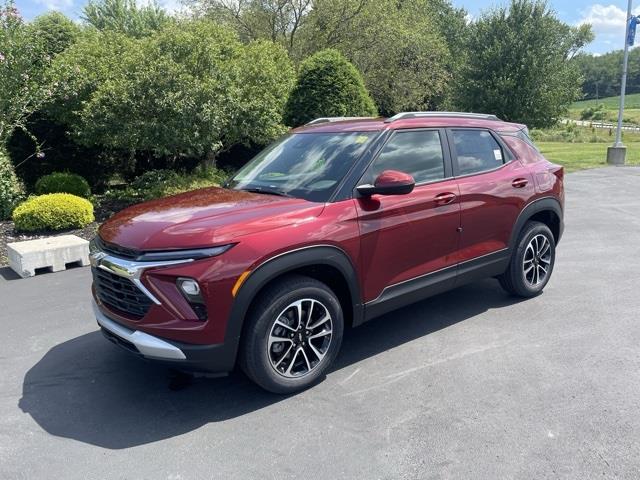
[[328, 86], [63, 182], [11, 189], [55, 211]]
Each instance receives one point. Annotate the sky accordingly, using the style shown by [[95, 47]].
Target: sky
[[607, 18]]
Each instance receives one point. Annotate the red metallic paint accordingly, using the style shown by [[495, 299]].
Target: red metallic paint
[[390, 178], [490, 205], [389, 239], [406, 236]]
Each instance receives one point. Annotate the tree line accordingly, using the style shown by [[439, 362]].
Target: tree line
[[131, 87], [602, 74]]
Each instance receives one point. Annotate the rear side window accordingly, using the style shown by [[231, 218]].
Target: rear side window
[[476, 151], [417, 152]]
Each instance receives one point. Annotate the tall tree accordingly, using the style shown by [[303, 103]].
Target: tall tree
[[56, 31], [125, 16], [520, 64], [23, 60], [399, 46], [275, 20]]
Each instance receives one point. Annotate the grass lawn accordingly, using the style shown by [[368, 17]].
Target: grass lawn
[[631, 100], [577, 156], [611, 104]]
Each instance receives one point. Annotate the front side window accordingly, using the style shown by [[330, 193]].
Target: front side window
[[477, 151], [416, 152], [303, 165]]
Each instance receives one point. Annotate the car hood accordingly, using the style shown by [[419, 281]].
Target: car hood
[[202, 218]]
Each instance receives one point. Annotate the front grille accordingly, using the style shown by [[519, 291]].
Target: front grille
[[120, 293]]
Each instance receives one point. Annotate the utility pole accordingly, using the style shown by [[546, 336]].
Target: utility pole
[[617, 153]]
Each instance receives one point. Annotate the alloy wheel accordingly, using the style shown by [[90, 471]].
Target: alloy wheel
[[300, 338], [536, 263]]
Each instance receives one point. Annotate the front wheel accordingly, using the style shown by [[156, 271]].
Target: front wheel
[[532, 261], [293, 334]]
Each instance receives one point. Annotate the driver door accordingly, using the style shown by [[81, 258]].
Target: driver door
[[406, 237]]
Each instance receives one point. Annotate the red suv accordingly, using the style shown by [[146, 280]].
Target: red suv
[[336, 223]]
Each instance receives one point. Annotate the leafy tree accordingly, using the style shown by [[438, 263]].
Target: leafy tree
[[275, 20], [519, 64], [602, 73], [56, 31], [191, 90], [328, 85], [22, 62], [399, 47], [125, 16]]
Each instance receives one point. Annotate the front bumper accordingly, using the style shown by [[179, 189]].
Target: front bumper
[[218, 358], [134, 340]]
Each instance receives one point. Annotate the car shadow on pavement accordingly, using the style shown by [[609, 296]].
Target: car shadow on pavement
[[88, 390]]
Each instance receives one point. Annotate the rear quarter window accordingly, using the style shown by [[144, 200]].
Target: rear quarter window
[[477, 151]]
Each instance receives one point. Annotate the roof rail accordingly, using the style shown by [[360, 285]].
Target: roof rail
[[402, 115], [335, 119]]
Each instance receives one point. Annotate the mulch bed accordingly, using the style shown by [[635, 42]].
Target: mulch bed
[[105, 209]]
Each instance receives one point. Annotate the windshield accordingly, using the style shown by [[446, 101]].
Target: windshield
[[303, 165]]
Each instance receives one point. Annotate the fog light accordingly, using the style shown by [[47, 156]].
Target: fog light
[[189, 286], [191, 291]]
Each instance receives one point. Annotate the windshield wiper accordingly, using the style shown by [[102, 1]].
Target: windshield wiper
[[266, 191]]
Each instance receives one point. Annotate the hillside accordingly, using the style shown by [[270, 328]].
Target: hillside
[[631, 108], [631, 101]]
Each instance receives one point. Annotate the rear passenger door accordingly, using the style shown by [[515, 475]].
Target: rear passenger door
[[494, 187], [404, 237]]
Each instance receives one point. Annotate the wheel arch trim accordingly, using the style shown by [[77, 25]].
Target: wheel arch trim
[[551, 204], [281, 264]]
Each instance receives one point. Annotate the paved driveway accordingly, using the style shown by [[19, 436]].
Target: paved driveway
[[471, 384]]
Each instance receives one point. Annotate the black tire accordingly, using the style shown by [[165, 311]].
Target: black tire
[[523, 284], [258, 356]]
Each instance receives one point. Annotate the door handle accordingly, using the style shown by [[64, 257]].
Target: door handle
[[445, 198], [520, 183]]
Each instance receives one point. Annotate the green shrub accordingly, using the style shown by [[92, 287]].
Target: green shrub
[[63, 182], [328, 86], [162, 183], [596, 113], [11, 189], [55, 211], [587, 113], [154, 183]]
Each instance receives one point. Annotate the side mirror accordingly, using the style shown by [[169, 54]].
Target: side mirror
[[389, 182]]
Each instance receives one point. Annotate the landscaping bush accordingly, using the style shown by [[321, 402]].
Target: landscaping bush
[[154, 183], [55, 211], [191, 90], [162, 183], [328, 86], [63, 182], [11, 189], [61, 153]]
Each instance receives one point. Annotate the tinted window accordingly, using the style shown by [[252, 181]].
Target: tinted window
[[418, 153], [477, 151]]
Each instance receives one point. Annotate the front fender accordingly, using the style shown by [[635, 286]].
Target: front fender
[[285, 262]]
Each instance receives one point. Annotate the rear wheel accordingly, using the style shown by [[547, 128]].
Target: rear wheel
[[293, 334], [532, 262]]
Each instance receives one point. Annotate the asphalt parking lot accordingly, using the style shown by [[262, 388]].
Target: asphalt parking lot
[[471, 384]]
